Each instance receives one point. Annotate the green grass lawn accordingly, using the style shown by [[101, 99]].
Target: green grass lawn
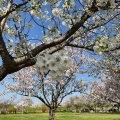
[[61, 116]]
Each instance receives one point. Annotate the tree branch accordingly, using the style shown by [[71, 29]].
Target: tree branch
[[10, 11], [57, 41], [113, 101], [83, 47], [6, 11], [3, 51]]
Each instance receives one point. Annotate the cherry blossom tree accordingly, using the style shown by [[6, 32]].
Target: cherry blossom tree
[[5, 103], [112, 80], [53, 78], [102, 90], [80, 101], [32, 27], [112, 89], [23, 103], [35, 105], [97, 96], [106, 92], [66, 104], [75, 102]]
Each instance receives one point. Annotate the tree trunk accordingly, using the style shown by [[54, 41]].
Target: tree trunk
[[51, 114], [95, 108]]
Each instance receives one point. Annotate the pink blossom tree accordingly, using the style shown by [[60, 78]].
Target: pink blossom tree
[[66, 104], [53, 78], [97, 95], [76, 102], [51, 92], [107, 91], [5, 103], [23, 103]]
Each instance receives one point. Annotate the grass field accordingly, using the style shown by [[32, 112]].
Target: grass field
[[61, 116]]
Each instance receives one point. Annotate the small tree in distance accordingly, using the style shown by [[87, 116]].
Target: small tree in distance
[[5, 104], [23, 103], [66, 104]]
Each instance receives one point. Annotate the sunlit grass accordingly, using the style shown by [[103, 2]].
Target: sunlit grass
[[61, 116]]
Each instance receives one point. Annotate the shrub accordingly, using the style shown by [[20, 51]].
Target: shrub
[[3, 112], [44, 109], [14, 110], [9, 111], [64, 110]]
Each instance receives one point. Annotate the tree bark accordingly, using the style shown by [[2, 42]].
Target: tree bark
[[51, 114]]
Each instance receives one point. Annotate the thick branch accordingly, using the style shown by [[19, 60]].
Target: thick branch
[[3, 51], [10, 11], [5, 19], [43, 101], [57, 41], [113, 101]]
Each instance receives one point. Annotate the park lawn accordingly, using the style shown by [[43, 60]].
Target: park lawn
[[61, 116]]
